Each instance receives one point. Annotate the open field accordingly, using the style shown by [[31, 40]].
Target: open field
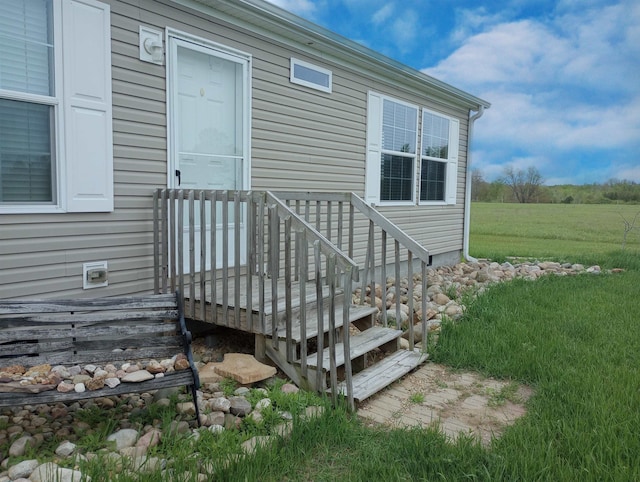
[[557, 231]]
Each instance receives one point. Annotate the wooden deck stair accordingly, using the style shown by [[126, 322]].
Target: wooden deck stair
[[377, 359]]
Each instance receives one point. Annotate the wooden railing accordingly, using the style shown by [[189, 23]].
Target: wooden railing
[[271, 248], [261, 245], [343, 217]]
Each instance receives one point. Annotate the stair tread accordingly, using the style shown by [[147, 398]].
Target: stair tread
[[356, 312], [376, 377], [359, 344]]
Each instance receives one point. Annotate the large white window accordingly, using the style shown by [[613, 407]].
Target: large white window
[[393, 172], [55, 106]]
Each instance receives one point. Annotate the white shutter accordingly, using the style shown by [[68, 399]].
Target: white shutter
[[374, 148], [452, 163], [88, 140]]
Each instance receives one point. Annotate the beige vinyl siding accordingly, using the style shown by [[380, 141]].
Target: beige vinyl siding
[[42, 255], [302, 139]]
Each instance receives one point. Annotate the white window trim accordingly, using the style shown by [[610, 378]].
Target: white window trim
[[296, 80], [375, 151], [62, 109], [451, 169]]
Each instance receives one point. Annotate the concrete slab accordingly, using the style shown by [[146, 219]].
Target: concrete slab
[[457, 402]]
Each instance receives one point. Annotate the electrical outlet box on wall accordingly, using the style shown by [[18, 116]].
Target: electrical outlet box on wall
[[95, 275]]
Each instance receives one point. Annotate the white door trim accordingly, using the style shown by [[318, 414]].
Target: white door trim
[[174, 39]]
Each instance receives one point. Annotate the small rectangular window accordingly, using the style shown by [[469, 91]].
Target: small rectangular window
[[309, 75]]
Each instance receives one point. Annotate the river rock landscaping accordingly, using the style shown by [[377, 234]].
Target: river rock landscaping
[[134, 433]]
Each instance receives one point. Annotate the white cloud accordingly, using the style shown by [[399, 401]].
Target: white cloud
[[558, 88], [405, 30], [472, 21], [383, 14], [631, 173]]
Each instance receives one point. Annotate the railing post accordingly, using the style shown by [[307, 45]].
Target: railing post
[[251, 257], [173, 235], [424, 308], [203, 255], [351, 228], [225, 257], [348, 370], [397, 285], [180, 236], [296, 258], [302, 281], [410, 298], [331, 281], [156, 245], [383, 277], [164, 255], [372, 261], [236, 256], [340, 224], [192, 256], [214, 256], [320, 381], [274, 237], [261, 266], [287, 288], [305, 247]]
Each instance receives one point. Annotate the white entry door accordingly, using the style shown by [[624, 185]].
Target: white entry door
[[209, 112]]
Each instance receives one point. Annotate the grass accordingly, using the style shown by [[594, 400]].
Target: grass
[[580, 353], [555, 231]]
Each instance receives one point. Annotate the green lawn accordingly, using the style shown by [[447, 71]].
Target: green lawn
[[557, 231]]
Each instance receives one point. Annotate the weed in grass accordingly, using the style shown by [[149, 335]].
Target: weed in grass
[[228, 386], [98, 425], [441, 384], [509, 392], [416, 398], [451, 291], [153, 412], [467, 296]]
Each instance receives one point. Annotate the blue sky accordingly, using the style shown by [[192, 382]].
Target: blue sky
[[563, 77]]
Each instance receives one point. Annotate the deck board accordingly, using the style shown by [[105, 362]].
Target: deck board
[[373, 379], [228, 318]]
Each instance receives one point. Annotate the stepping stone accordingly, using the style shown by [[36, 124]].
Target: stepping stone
[[244, 368], [208, 374]]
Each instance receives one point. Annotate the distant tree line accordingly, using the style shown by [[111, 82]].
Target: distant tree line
[[527, 186]]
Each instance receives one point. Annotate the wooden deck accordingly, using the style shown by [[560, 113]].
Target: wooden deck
[[236, 304], [288, 237]]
